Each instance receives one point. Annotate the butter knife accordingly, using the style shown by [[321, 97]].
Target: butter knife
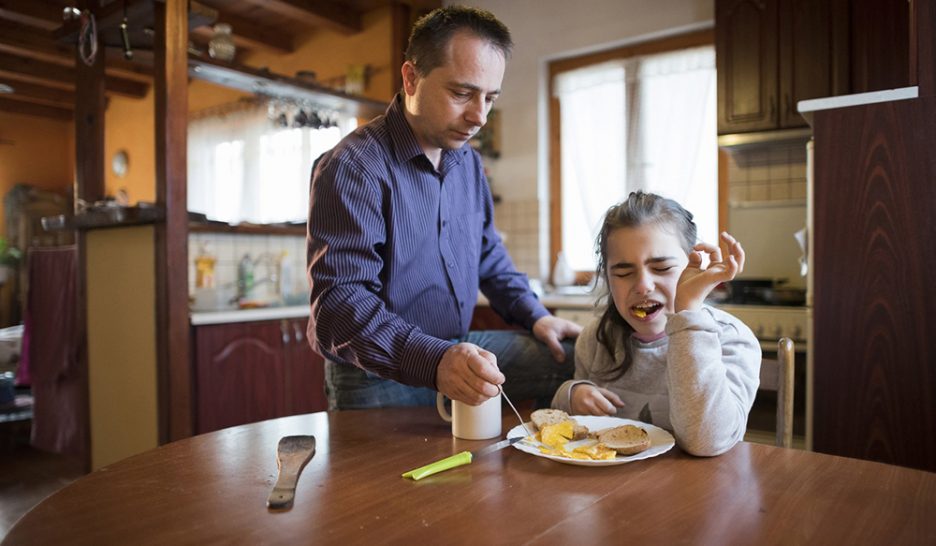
[[459, 459]]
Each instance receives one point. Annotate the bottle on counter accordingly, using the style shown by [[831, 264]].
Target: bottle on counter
[[286, 277], [563, 275], [245, 277], [204, 268]]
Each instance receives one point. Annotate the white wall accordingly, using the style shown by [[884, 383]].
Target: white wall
[[545, 30]]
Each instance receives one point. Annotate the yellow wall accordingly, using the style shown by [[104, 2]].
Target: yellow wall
[[36, 151], [129, 124], [122, 343]]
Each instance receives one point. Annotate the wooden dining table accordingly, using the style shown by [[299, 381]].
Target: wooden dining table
[[213, 488]]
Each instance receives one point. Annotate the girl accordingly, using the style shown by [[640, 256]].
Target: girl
[[658, 354]]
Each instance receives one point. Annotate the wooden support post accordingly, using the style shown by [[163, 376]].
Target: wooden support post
[[89, 187], [172, 322]]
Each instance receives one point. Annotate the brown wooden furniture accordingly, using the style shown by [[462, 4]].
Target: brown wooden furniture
[[213, 489], [771, 54], [777, 375], [251, 371]]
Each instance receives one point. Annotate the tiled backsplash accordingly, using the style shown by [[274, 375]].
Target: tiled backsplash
[[518, 222], [264, 251], [768, 173]]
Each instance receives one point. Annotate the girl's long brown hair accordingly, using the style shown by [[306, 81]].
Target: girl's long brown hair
[[637, 210]]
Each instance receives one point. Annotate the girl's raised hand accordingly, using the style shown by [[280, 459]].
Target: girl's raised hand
[[696, 283], [591, 400]]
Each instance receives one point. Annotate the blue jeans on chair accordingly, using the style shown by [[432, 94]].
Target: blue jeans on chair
[[531, 371]]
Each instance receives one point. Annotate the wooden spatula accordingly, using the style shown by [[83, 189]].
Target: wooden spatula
[[292, 454]]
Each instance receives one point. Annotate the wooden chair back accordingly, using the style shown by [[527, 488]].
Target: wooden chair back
[[777, 375]]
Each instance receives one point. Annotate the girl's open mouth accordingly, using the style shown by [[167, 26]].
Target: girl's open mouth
[[646, 310]]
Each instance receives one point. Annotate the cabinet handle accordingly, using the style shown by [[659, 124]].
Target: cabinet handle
[[298, 331], [285, 331], [773, 109]]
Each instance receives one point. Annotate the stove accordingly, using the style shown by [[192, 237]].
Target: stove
[[772, 322]]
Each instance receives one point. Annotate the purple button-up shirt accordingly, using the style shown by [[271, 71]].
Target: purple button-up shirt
[[397, 252]]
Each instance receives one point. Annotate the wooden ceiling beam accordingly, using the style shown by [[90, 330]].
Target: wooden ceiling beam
[[42, 94], [334, 16], [31, 13], [31, 70], [30, 109], [36, 44], [249, 35]]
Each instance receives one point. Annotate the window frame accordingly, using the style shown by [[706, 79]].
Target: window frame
[[559, 66]]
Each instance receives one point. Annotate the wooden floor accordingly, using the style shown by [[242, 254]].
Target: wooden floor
[[28, 475]]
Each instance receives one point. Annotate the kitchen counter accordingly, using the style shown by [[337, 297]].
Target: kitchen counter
[[200, 318], [578, 300]]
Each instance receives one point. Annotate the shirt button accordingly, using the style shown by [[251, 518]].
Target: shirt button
[[462, 304]]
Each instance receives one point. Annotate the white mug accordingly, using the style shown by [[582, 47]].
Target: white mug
[[469, 422]]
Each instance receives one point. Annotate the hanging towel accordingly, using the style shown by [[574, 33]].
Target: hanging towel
[[59, 384]]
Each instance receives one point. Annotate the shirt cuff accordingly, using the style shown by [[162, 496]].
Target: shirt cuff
[[527, 310], [421, 357]]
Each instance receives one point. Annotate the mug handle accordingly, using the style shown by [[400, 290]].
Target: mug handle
[[440, 407]]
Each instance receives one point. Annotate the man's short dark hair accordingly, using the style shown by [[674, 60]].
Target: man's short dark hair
[[432, 32]]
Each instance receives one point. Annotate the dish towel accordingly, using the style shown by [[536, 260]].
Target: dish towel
[[59, 385]]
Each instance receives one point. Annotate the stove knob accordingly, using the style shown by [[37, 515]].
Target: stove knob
[[759, 331], [778, 331], [797, 332]]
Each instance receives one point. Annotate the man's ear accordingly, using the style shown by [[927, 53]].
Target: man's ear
[[410, 76]]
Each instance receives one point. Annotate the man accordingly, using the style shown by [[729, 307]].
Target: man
[[401, 237]]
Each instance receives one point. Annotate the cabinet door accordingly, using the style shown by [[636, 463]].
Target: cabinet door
[[239, 374], [813, 54], [746, 44], [305, 378]]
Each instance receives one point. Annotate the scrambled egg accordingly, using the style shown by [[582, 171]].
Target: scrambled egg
[[640, 313], [556, 437]]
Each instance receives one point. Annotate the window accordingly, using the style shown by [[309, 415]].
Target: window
[[244, 168], [637, 118]]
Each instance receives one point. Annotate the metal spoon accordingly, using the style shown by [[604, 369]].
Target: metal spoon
[[522, 424]]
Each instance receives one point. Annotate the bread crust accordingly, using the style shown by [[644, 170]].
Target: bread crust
[[544, 417], [625, 439]]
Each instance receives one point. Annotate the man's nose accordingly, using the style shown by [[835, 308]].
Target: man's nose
[[476, 112]]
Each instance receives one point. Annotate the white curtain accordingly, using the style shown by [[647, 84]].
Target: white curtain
[[243, 169], [641, 123]]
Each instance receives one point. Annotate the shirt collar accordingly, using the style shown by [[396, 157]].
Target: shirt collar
[[405, 145]]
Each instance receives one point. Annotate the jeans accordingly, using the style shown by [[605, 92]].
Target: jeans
[[531, 374]]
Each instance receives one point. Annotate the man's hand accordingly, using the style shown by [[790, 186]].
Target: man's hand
[[469, 374], [695, 283], [551, 330], [591, 400]]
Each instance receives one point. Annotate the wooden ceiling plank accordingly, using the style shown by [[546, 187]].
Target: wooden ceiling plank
[[42, 72], [249, 35], [340, 18], [30, 109], [32, 13], [42, 94]]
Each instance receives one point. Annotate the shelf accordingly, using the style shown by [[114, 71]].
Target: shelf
[[266, 83], [251, 229], [105, 217]]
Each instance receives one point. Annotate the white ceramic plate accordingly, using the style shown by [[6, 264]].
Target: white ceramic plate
[[661, 441]]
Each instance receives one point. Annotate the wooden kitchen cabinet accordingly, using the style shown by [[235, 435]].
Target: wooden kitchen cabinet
[[770, 54], [251, 371], [874, 384]]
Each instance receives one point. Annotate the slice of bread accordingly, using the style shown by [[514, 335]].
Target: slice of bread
[[625, 439], [544, 417]]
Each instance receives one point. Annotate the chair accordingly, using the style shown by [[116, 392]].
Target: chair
[[777, 375]]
